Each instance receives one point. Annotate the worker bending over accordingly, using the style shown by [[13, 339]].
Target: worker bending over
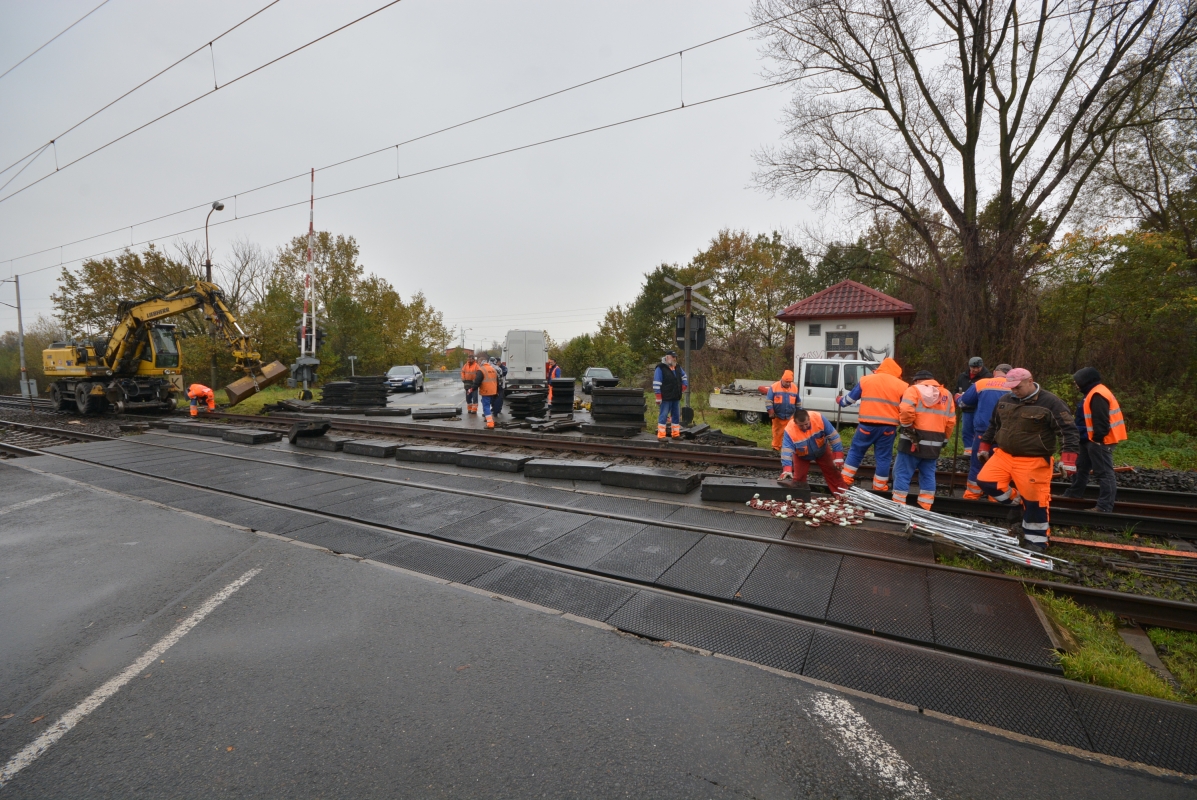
[[469, 376], [1100, 427], [669, 384], [487, 385], [927, 417], [1017, 451], [983, 396], [198, 393], [880, 395], [782, 400], [810, 438], [964, 381]]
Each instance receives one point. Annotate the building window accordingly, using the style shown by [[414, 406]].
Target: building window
[[843, 341], [815, 330]]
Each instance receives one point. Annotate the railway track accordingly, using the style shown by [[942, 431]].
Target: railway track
[[18, 439]]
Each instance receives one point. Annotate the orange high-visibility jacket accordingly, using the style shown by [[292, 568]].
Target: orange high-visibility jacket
[[881, 394], [928, 409], [198, 391], [469, 372], [784, 399], [1117, 425]]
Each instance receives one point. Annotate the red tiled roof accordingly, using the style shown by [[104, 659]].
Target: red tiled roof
[[847, 299]]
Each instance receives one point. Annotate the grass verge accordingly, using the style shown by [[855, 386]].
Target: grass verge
[[1178, 651], [254, 403]]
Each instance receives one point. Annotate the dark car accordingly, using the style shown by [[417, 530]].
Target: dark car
[[597, 376], [405, 379]]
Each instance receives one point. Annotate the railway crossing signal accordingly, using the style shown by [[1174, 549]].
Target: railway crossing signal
[[691, 329]]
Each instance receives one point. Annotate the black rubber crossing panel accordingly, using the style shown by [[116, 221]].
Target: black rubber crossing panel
[[500, 518], [1003, 697], [276, 520], [406, 511], [1138, 728], [525, 537], [989, 617], [881, 597], [460, 508], [303, 496], [441, 561], [792, 580], [165, 493], [341, 537], [464, 483], [586, 597], [730, 521], [775, 643], [229, 509], [862, 541], [119, 482], [715, 567], [59, 466], [370, 506], [359, 492], [317, 499], [627, 506], [589, 543], [536, 494], [648, 554]]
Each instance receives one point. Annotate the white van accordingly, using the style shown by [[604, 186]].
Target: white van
[[525, 353], [820, 381]]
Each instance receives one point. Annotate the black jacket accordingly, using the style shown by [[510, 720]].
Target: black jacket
[[965, 380], [1029, 427]]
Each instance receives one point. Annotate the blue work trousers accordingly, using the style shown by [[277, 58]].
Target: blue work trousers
[[486, 404], [881, 439], [497, 405], [966, 430], [670, 408], [908, 464]]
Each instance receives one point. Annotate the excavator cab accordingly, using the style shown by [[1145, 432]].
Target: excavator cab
[[165, 347]]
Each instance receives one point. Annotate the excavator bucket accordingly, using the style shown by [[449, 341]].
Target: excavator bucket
[[245, 387]]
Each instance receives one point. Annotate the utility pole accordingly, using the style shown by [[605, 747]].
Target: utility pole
[[26, 388], [216, 206], [304, 368], [688, 301]]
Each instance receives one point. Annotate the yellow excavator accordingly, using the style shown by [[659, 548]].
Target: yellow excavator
[[139, 366]]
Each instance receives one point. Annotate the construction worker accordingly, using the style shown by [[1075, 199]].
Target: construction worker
[[501, 368], [880, 395], [669, 384], [1017, 451], [983, 395], [810, 438], [964, 381], [551, 372], [781, 401], [198, 393], [1100, 427], [469, 374], [487, 384], [927, 417]]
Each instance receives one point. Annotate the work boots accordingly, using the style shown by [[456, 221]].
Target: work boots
[[660, 433], [490, 421]]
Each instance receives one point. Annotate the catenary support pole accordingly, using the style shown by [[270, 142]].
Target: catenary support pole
[[686, 345], [26, 389]]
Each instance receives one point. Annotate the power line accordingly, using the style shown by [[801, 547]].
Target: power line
[[60, 33]]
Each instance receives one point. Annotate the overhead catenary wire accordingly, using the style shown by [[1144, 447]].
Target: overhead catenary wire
[[52, 39]]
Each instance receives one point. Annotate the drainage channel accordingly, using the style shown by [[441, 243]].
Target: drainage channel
[[1027, 702]]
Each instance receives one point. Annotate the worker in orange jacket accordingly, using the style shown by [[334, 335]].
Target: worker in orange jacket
[[927, 415], [551, 372], [781, 403], [810, 438], [198, 393], [468, 375], [487, 384], [880, 395]]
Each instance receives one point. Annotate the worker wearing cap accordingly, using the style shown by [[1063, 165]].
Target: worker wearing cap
[[198, 393], [1100, 427], [669, 384], [487, 385], [927, 416], [984, 396], [469, 374], [1017, 451], [964, 381], [880, 395], [781, 402], [810, 438]]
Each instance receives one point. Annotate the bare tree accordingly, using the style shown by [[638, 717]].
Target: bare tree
[[974, 122]]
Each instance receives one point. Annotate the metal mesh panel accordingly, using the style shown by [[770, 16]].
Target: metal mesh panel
[[881, 597], [1140, 729], [587, 544], [862, 541], [715, 567], [774, 643], [730, 521], [792, 580], [586, 597], [500, 518], [447, 563], [536, 532], [990, 617], [342, 538], [647, 554], [628, 506], [1005, 698]]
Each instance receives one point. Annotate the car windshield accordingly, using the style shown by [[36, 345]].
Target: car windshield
[[401, 371], [599, 372]]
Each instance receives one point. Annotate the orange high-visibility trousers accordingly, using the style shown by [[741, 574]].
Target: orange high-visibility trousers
[[779, 430], [1005, 478]]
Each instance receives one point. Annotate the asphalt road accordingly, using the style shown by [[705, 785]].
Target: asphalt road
[[323, 676]]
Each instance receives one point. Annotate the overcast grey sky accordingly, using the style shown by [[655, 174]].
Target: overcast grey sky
[[546, 237]]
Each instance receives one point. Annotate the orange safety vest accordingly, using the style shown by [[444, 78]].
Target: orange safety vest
[[490, 381], [469, 372], [881, 394], [783, 400], [808, 444], [1117, 425], [932, 422]]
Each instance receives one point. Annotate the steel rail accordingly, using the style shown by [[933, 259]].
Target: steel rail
[[64, 433]]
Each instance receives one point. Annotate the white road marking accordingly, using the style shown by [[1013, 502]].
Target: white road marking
[[72, 718], [27, 503], [857, 741]]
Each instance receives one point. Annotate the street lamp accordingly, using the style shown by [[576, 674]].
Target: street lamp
[[217, 206]]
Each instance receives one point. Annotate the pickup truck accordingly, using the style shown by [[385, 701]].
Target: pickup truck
[[820, 381]]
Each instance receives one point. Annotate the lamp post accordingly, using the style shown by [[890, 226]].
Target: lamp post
[[351, 365], [216, 206]]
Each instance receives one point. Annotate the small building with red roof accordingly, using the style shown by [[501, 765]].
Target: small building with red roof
[[846, 320]]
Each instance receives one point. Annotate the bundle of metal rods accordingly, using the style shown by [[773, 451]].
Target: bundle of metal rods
[[987, 541]]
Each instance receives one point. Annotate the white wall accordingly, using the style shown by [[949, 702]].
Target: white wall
[[874, 332]]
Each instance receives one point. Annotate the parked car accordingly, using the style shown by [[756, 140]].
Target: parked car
[[597, 376], [405, 379]]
